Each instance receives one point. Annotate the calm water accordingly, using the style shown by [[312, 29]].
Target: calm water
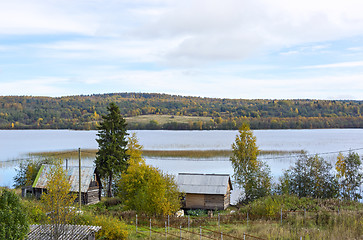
[[16, 144]]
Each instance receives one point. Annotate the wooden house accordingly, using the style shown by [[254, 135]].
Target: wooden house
[[90, 190], [205, 191]]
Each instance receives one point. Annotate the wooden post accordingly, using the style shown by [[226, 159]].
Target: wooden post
[[219, 222], [281, 216], [166, 232], [136, 222], [304, 213], [247, 219], [188, 222], [79, 171], [150, 229], [168, 222], [180, 232], [200, 232]]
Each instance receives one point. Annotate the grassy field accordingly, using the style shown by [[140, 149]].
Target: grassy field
[[323, 219], [162, 119]]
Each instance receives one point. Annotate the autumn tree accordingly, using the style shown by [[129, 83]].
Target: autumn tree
[[58, 201], [145, 188], [250, 173], [350, 175], [28, 170], [111, 157], [310, 177], [13, 220]]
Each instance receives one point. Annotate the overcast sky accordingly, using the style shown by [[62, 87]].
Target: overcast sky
[[279, 49]]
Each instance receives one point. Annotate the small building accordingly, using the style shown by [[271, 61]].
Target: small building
[[205, 191], [90, 190], [65, 231]]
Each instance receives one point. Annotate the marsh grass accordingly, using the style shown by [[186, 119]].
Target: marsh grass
[[162, 119], [91, 153]]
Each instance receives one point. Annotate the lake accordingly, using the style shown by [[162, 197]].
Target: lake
[[16, 144]]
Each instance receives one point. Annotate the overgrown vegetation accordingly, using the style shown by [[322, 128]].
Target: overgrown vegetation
[[146, 189], [14, 224], [181, 113], [57, 201]]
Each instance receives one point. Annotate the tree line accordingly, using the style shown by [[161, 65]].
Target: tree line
[[85, 111], [310, 176]]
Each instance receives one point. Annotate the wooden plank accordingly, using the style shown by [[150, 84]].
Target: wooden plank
[[194, 201]]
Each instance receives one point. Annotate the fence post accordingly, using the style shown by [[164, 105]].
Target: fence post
[[180, 232], [136, 222], [188, 222], [150, 229], [166, 232], [168, 223], [200, 232], [244, 236], [304, 213], [219, 222], [221, 236], [281, 216], [247, 220]]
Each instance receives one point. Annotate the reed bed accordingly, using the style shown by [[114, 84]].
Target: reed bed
[[91, 153]]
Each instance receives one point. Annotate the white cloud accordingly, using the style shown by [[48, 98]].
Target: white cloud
[[336, 65], [42, 86], [43, 17]]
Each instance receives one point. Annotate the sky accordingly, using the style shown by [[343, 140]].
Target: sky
[[249, 49]]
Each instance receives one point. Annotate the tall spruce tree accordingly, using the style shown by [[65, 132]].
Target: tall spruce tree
[[111, 159]]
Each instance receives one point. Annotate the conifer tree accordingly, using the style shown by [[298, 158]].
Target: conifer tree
[[111, 159]]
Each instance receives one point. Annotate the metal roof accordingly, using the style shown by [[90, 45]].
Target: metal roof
[[204, 183], [73, 177], [74, 232]]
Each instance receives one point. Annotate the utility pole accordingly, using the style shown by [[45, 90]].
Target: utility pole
[[79, 171]]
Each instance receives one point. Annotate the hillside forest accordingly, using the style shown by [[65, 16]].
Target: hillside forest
[[172, 112]]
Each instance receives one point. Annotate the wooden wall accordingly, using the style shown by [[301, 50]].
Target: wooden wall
[[206, 201]]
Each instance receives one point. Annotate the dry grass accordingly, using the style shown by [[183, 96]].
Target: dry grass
[[91, 153], [346, 225]]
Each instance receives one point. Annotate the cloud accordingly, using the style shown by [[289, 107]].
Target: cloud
[[336, 65], [42, 86], [43, 17], [214, 30]]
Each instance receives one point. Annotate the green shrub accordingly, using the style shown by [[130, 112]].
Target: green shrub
[[112, 228], [13, 220], [197, 212], [34, 211], [271, 206]]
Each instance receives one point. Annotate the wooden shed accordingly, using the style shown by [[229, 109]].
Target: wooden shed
[[90, 190], [205, 191], [66, 231]]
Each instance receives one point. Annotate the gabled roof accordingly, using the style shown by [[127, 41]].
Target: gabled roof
[[73, 177], [204, 183], [74, 232]]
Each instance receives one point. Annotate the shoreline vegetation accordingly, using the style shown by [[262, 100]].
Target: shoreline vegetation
[[171, 112], [91, 153]]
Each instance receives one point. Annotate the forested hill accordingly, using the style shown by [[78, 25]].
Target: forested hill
[[84, 112]]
